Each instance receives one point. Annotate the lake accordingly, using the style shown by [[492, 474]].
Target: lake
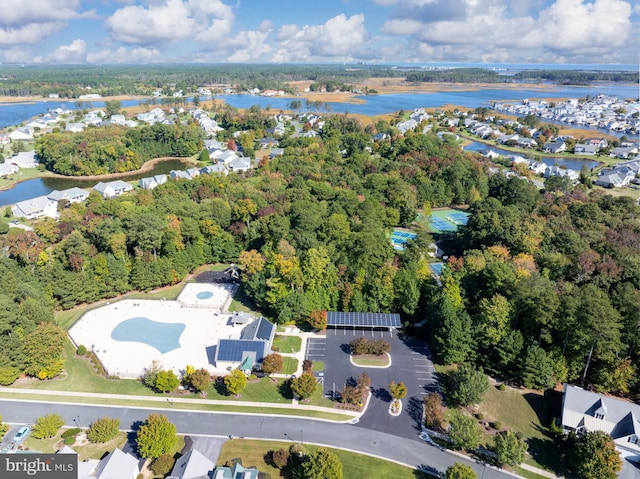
[[570, 164], [43, 186]]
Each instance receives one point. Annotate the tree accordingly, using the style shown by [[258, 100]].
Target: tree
[[151, 373], [304, 385], [3, 427], [433, 411], [466, 385], [594, 456], [112, 107], [397, 390], [200, 380], [166, 381], [43, 349], [537, 370], [235, 382], [464, 431], [318, 319], [162, 465], [460, 471], [47, 426], [322, 464], [103, 429], [273, 363], [509, 448], [156, 436], [280, 458]]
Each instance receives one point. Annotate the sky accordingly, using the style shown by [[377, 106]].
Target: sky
[[319, 31]]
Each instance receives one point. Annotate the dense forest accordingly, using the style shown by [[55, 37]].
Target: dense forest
[[115, 149], [540, 287], [577, 77]]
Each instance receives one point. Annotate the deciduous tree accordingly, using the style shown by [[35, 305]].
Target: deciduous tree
[[103, 429], [273, 363], [460, 471], [594, 456], [47, 426], [510, 449], [235, 382], [156, 436], [464, 431], [304, 385], [322, 464], [466, 385]]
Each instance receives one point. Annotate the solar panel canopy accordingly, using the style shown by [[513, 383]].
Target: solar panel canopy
[[364, 320]]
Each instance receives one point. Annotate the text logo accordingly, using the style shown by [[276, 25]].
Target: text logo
[[37, 466]]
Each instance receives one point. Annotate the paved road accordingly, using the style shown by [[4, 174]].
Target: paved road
[[407, 451]]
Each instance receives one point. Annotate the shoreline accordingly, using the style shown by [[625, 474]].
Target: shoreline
[[147, 166]]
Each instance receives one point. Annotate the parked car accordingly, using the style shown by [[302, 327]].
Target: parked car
[[21, 435]]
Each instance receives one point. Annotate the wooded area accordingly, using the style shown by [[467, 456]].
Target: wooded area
[[539, 288]]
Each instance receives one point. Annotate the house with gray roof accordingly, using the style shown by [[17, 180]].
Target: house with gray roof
[[192, 465], [237, 471], [151, 182], [112, 189], [556, 146], [72, 195], [248, 351], [7, 169], [585, 411], [179, 175], [118, 465], [239, 164], [585, 149], [217, 168], [33, 208]]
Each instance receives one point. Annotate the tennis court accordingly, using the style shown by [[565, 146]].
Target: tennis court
[[459, 218], [447, 220], [400, 238]]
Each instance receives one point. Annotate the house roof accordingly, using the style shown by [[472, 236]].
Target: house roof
[[261, 329], [33, 205], [117, 465], [192, 465], [235, 472], [580, 407]]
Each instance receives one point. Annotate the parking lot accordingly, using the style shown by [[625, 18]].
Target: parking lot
[[410, 363]]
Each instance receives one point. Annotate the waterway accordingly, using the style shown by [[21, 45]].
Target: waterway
[[570, 164], [43, 186]]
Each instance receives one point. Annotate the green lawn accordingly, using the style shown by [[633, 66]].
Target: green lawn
[[531, 414], [255, 453], [241, 303], [290, 365], [287, 344], [370, 360]]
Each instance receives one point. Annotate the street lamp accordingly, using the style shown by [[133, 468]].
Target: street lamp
[[77, 421]]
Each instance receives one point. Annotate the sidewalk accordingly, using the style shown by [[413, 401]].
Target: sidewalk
[[540, 472]]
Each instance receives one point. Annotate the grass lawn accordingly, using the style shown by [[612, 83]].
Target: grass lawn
[[317, 366], [170, 293], [371, 360], [241, 303], [287, 344], [530, 413], [255, 453], [290, 365], [97, 451]]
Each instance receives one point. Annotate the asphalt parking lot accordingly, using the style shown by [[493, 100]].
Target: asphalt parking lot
[[411, 364]]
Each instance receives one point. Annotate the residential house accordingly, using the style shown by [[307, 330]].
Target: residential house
[[24, 159], [239, 164], [151, 182], [585, 149], [217, 168], [21, 134], [276, 152], [7, 169], [614, 179], [179, 175], [35, 208], [624, 152], [192, 465], [4, 139], [72, 195], [118, 465], [237, 471], [193, 172], [562, 172], [597, 142], [586, 411], [556, 146], [267, 143], [75, 127], [112, 189], [248, 351], [527, 142]]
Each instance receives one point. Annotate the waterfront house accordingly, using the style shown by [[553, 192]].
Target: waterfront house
[[586, 149], [217, 168], [562, 172], [624, 152], [33, 208], [179, 175], [586, 411], [193, 172], [112, 189], [72, 195], [4, 139], [24, 159], [21, 134], [151, 182], [7, 169], [556, 146]]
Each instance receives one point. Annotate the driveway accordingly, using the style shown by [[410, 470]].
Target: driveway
[[411, 364]]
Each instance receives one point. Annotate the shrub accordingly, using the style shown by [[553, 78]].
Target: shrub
[[162, 465], [307, 365], [47, 426], [497, 425], [479, 416], [82, 350], [8, 375], [70, 432], [280, 458], [297, 449], [69, 440], [502, 387]]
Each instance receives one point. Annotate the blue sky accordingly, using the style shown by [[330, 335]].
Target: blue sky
[[371, 31]]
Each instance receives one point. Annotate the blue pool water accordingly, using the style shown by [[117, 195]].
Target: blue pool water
[[204, 295], [164, 337]]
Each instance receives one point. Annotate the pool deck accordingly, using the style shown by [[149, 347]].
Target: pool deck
[[204, 326]]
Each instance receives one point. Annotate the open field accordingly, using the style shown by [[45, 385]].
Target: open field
[[255, 453]]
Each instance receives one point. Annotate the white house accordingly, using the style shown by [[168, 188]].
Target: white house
[[112, 188], [24, 159], [118, 464], [35, 208], [21, 134], [586, 411], [7, 169], [151, 182], [73, 195]]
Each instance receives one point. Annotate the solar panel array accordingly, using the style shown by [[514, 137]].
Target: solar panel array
[[234, 349], [374, 320]]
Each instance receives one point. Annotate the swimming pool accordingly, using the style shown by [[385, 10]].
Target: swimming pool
[[204, 295], [164, 337]]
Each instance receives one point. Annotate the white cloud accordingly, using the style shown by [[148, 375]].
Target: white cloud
[[30, 33], [496, 31], [338, 39], [124, 55], [75, 52], [165, 21]]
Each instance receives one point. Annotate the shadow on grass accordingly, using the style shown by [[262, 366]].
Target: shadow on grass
[[285, 389]]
